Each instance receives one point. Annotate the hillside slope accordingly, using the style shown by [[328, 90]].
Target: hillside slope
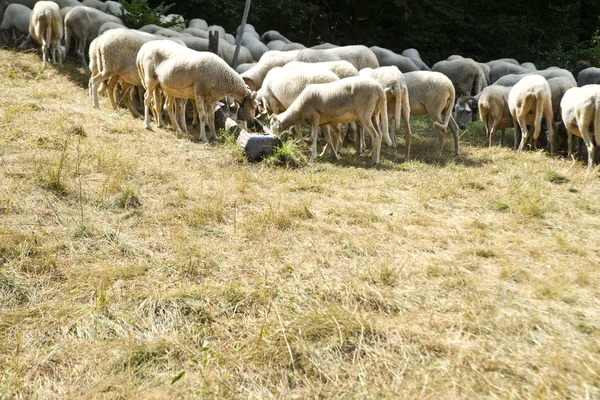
[[138, 264]]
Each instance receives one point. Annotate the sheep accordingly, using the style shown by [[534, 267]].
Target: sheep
[[45, 27], [343, 101], [415, 57], [15, 23], [589, 76], [465, 110], [68, 3], [486, 74], [433, 93], [387, 57], [151, 28], [256, 47], [454, 57], [276, 45], [107, 26], [492, 107], [359, 56], [392, 81], [512, 79], [579, 66], [270, 36], [230, 39], [5, 3], [174, 21], [198, 23], [500, 69], [113, 7], [529, 101], [167, 32], [466, 75], [324, 46], [293, 46], [580, 112], [530, 66], [503, 60], [241, 68], [97, 4], [283, 85], [185, 73], [219, 29], [82, 24], [254, 76], [558, 87], [196, 32], [115, 54]]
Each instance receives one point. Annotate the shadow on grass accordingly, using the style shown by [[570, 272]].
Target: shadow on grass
[[73, 70]]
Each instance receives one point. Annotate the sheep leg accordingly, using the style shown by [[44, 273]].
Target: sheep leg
[[584, 121], [169, 106], [329, 140], [537, 123], [454, 129], [147, 101], [313, 134], [201, 118], [211, 121], [370, 125], [549, 117], [157, 109], [524, 132], [298, 132], [112, 88], [182, 103], [392, 128], [502, 137], [517, 136], [492, 132], [406, 121], [94, 88], [131, 103]]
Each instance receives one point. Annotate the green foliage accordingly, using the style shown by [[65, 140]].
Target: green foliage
[[138, 13], [288, 155]]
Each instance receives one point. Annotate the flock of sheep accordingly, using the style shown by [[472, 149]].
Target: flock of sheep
[[326, 86]]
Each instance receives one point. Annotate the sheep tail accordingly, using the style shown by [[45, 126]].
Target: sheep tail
[[447, 116], [68, 34], [383, 115], [48, 18]]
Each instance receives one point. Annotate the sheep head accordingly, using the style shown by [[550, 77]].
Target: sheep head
[[466, 109]]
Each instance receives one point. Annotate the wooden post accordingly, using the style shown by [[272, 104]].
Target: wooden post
[[240, 35]]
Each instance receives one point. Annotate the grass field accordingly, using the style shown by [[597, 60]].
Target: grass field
[[138, 264]]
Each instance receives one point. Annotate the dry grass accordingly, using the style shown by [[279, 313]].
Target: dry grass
[[135, 264]]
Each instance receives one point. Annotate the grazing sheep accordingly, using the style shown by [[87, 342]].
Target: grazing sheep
[[5, 3], [491, 105], [270, 36], [466, 75], [415, 57], [503, 60], [113, 7], [581, 114], [45, 27], [465, 110], [196, 32], [97, 4], [68, 3], [283, 85], [500, 69], [188, 74], [529, 101], [558, 88], [256, 47], [392, 81], [107, 26], [219, 29], [15, 23], [340, 102], [432, 93], [530, 66], [198, 23], [454, 57], [589, 76], [82, 25], [324, 46], [387, 57], [241, 68], [293, 46], [254, 76], [276, 45], [175, 21], [151, 28], [579, 66]]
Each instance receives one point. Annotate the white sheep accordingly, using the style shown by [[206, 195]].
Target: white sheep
[[15, 23], [283, 85], [82, 25], [270, 36], [432, 93], [580, 112], [188, 74], [113, 7], [494, 111], [581, 115], [343, 101], [45, 27], [97, 4], [394, 85], [276, 45], [255, 76], [529, 101]]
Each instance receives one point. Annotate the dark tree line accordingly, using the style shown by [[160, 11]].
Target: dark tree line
[[546, 32]]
